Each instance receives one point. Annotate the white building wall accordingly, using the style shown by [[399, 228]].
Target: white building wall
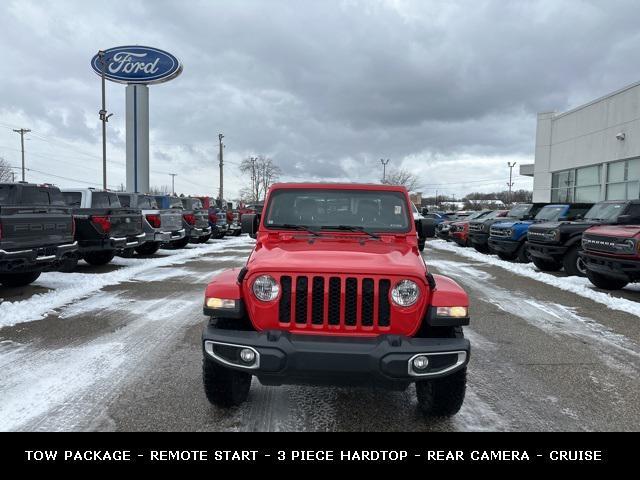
[[586, 136]]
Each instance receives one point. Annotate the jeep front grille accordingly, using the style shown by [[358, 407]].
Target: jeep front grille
[[602, 243], [344, 303], [499, 232], [476, 227]]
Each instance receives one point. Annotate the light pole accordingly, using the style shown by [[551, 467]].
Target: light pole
[[384, 169], [173, 184], [22, 131], [510, 184], [221, 145], [104, 118]]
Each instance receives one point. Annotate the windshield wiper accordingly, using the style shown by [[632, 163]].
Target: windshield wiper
[[350, 228], [291, 226]]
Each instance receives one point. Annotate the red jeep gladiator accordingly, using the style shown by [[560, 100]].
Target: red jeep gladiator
[[335, 292]]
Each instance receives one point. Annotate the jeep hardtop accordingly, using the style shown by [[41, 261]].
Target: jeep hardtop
[[336, 292]]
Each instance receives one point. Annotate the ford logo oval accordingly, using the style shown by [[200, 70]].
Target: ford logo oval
[[137, 64]]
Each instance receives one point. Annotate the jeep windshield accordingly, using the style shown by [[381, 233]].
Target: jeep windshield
[[605, 211], [550, 214], [520, 211], [341, 210]]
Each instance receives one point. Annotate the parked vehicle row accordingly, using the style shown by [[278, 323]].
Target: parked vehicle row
[[600, 241], [45, 228]]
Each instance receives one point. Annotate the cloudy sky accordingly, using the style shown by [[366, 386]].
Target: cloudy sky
[[447, 89]]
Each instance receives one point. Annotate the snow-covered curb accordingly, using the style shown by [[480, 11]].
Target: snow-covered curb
[[68, 287], [579, 286]]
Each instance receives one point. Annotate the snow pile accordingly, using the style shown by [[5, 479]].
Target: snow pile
[[578, 285], [69, 287]]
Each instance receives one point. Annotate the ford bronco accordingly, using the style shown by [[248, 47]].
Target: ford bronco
[[336, 292], [556, 245]]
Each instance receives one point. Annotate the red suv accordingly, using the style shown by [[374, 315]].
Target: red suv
[[336, 292]]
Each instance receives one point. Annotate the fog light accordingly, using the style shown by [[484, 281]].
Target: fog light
[[247, 355], [421, 362]]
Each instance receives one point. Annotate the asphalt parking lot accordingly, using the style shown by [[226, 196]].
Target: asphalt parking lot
[[124, 354]]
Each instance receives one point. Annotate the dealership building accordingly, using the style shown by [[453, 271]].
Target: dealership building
[[589, 153]]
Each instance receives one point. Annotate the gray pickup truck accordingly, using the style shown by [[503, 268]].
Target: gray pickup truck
[[160, 226], [36, 232], [198, 219]]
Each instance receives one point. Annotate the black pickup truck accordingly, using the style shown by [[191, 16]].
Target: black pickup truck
[[36, 232], [556, 245], [103, 227]]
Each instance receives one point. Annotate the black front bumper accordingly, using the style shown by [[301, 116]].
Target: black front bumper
[[547, 252], [509, 247], [285, 358], [624, 269], [35, 259]]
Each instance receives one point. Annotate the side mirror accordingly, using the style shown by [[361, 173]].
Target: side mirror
[[426, 228], [249, 223], [627, 219]]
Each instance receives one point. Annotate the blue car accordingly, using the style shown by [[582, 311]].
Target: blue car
[[509, 239]]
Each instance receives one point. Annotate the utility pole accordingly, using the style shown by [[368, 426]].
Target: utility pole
[[221, 195], [104, 118], [254, 179], [510, 184], [22, 131], [173, 184], [384, 169]]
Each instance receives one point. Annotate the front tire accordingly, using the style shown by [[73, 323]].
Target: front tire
[[442, 397], [546, 265], [523, 254], [99, 258], [506, 256], [421, 244], [223, 386], [573, 264], [18, 279], [205, 239], [482, 248], [606, 282]]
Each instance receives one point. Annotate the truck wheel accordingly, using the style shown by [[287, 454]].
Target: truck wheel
[[223, 386], [443, 396], [183, 242], [573, 264], [237, 233], [68, 264], [421, 244], [18, 279], [605, 282], [148, 248], [205, 239], [546, 265], [523, 254], [99, 258]]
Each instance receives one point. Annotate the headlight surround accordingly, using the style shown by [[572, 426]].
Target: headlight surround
[[553, 235], [265, 288], [405, 293]]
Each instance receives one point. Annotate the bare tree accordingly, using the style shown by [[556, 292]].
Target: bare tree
[[402, 177], [161, 190], [6, 175], [262, 173]]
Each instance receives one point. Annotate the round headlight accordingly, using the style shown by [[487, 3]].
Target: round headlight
[[266, 288], [405, 293]]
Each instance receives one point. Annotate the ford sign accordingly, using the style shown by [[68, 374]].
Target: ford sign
[[137, 64]]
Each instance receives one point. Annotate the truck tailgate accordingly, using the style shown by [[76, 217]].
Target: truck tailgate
[[125, 223], [171, 220], [31, 227]]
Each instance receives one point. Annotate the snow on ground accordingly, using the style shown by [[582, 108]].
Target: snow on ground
[[578, 285], [69, 287]]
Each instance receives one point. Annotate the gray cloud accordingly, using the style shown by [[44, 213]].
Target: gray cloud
[[448, 89]]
